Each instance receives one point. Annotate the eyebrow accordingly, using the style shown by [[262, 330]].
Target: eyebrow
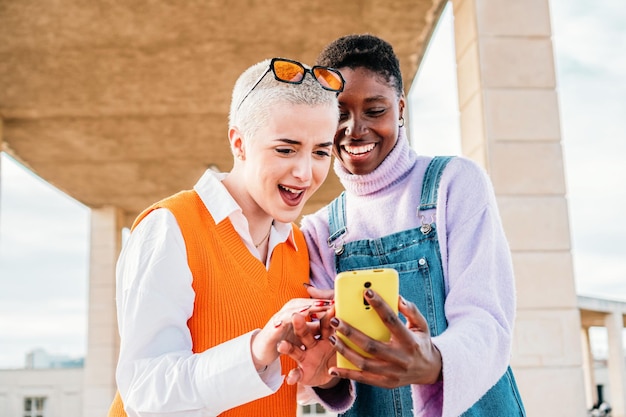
[[376, 98], [370, 100], [297, 142]]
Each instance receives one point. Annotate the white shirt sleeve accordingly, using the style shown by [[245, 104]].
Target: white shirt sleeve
[[157, 372]]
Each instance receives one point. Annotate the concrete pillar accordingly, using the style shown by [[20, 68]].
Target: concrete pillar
[[510, 125], [617, 371], [588, 368], [1, 140], [103, 337]]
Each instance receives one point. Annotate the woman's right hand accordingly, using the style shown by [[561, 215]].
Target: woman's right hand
[[314, 352], [280, 327]]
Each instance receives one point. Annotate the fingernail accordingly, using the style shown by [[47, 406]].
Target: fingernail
[[302, 347], [334, 322], [307, 285], [278, 323], [369, 293], [332, 340], [402, 300], [334, 373], [305, 309], [313, 316], [323, 303]]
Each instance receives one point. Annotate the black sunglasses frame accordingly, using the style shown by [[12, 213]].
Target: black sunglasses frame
[[305, 70]]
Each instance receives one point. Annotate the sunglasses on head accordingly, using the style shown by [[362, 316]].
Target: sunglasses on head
[[293, 72]]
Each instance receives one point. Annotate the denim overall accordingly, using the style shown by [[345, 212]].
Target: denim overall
[[415, 255]]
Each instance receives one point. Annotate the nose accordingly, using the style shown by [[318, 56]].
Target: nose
[[354, 128], [303, 168]]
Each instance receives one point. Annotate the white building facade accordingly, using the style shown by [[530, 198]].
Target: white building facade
[[53, 392]]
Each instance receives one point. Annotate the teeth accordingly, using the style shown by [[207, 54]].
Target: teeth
[[358, 150], [291, 190]]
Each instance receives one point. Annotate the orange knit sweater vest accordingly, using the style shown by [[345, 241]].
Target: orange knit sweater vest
[[234, 292]]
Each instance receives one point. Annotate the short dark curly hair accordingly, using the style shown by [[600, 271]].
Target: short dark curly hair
[[366, 51]]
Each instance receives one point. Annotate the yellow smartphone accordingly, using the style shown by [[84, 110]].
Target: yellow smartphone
[[351, 306]]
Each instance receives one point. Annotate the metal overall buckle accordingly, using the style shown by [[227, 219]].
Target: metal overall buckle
[[336, 244], [426, 227]]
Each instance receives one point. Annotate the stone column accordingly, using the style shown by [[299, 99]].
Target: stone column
[[1, 140], [510, 125], [590, 378], [103, 337], [617, 373]]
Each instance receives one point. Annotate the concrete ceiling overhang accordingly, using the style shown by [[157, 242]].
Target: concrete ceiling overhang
[[124, 102]]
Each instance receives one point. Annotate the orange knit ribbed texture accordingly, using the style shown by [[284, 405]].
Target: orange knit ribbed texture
[[234, 292]]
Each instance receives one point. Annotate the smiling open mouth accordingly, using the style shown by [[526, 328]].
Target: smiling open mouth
[[291, 196], [291, 190], [360, 149]]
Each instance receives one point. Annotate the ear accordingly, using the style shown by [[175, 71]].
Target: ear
[[237, 145], [401, 105]]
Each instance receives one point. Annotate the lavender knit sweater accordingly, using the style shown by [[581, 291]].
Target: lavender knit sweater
[[478, 273]]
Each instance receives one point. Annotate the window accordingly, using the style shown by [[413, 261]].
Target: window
[[35, 407], [315, 409]]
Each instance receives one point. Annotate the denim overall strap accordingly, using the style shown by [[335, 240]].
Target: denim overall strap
[[430, 187], [337, 223]]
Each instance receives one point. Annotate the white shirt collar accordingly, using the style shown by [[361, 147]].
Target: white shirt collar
[[222, 205]]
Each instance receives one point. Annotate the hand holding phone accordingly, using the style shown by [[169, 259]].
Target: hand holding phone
[[352, 307]]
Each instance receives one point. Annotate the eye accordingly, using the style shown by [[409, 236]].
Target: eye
[[322, 153], [375, 111], [285, 151]]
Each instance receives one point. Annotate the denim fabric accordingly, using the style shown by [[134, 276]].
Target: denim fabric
[[416, 256]]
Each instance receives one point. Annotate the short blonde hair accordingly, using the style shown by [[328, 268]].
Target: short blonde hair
[[250, 115]]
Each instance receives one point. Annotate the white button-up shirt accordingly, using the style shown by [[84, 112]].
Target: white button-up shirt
[[157, 373]]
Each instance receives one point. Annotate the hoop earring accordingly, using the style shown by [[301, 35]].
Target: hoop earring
[[401, 121]]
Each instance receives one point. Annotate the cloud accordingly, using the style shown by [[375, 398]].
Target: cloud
[[43, 268], [58, 326], [588, 35], [607, 279], [590, 68], [592, 93]]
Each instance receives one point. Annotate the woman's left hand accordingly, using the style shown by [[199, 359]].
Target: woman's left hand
[[409, 357]]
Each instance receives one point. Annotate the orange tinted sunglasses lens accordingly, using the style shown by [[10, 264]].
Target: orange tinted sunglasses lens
[[330, 80], [289, 71]]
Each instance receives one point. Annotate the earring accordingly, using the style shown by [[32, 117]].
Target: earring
[[347, 131], [401, 121]]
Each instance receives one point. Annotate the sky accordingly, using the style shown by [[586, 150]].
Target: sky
[[588, 39], [44, 234]]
